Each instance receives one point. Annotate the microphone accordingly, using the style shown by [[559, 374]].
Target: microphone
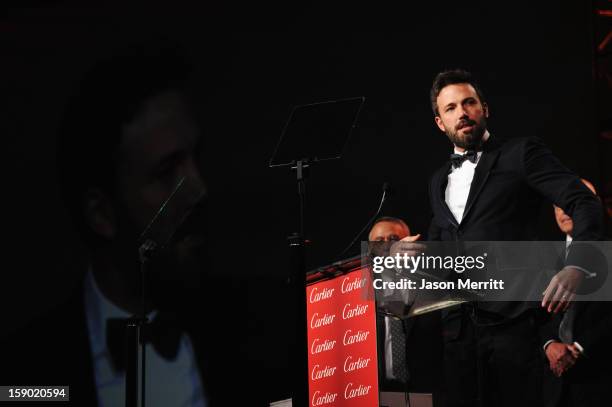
[[387, 188], [194, 222], [181, 214], [386, 192]]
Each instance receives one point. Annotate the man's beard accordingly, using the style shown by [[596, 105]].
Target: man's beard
[[174, 275], [471, 140]]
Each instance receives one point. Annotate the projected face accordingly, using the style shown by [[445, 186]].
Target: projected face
[[158, 149], [463, 117]]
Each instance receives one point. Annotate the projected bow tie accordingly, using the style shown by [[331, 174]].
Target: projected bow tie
[[163, 333], [458, 159]]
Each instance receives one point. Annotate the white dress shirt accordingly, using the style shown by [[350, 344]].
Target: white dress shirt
[[459, 183], [168, 382]]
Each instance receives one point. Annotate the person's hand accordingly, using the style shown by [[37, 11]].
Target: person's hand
[[564, 364], [560, 357], [562, 289], [575, 351], [407, 246]]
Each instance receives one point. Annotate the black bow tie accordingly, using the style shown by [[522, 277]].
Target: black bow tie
[[458, 159], [163, 333]]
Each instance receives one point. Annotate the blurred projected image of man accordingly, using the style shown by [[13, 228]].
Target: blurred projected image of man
[[128, 139]]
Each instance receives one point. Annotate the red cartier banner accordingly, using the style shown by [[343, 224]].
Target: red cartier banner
[[342, 358]]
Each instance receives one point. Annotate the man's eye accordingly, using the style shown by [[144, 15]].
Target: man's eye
[[165, 171], [448, 109]]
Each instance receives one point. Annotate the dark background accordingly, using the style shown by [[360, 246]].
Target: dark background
[[534, 61]]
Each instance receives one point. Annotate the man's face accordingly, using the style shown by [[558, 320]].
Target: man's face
[[158, 150], [388, 232], [384, 232], [461, 115]]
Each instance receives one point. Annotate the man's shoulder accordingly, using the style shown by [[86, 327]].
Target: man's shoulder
[[514, 150], [498, 141], [62, 326], [517, 142], [509, 147], [51, 346]]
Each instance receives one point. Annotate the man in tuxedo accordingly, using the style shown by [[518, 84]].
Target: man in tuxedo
[[128, 143], [491, 190], [578, 340]]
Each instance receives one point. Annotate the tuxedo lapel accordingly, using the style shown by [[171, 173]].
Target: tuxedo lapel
[[481, 174], [442, 181]]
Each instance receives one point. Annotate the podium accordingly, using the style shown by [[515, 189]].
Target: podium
[[342, 345], [343, 340]]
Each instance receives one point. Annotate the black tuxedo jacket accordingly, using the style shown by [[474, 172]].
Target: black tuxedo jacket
[[592, 327], [591, 374], [53, 350], [593, 331], [512, 179]]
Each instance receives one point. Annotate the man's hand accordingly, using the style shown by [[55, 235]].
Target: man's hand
[[574, 350], [560, 357], [408, 246], [562, 289]]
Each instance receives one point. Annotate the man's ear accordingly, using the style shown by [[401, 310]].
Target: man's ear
[[440, 124], [485, 109], [99, 213]]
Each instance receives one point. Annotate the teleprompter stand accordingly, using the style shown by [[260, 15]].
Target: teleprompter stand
[[313, 133]]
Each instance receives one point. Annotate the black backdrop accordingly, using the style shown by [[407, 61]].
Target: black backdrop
[[532, 58]]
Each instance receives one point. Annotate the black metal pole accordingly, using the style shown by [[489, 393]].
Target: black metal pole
[[143, 320], [131, 370], [135, 332], [136, 329], [297, 284]]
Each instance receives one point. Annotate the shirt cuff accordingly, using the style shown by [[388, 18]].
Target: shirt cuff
[[580, 348], [588, 274], [548, 342]]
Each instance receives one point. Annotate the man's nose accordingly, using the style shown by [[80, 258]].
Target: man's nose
[[463, 118]]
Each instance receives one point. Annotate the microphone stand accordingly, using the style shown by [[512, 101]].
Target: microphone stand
[[136, 325], [383, 199], [135, 335]]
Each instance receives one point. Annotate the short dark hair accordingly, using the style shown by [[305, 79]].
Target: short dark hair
[[451, 77], [110, 96], [390, 219]]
